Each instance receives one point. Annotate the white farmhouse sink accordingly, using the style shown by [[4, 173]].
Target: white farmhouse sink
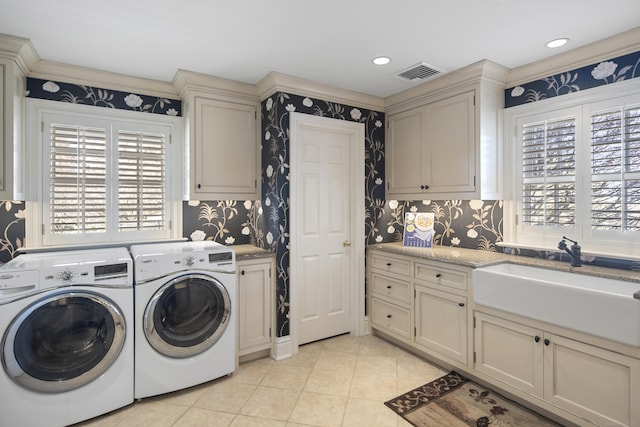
[[594, 305]]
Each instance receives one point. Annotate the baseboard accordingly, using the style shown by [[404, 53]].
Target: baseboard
[[282, 348]]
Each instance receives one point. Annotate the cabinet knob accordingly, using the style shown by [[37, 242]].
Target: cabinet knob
[[388, 264], [536, 338], [242, 272], [546, 341], [438, 275], [388, 316], [199, 185], [424, 187], [461, 304], [388, 286]]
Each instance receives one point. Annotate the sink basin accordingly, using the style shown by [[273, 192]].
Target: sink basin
[[594, 305]]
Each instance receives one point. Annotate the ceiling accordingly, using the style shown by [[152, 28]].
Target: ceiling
[[329, 41]]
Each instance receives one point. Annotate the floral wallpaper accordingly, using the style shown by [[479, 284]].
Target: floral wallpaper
[[607, 72], [108, 98], [12, 225]]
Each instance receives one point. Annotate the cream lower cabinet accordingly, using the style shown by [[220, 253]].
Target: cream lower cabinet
[[420, 303], [441, 323], [590, 382], [256, 303]]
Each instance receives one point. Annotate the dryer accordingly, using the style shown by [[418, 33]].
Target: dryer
[[67, 336], [185, 302]]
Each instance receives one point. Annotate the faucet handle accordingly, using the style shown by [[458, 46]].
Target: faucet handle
[[562, 245]]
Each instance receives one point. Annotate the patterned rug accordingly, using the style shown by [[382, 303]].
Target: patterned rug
[[453, 400]]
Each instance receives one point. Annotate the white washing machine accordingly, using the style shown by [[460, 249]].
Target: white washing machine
[[185, 302], [67, 336]]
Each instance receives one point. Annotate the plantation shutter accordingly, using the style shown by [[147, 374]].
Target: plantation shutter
[[548, 173], [615, 169], [141, 181], [78, 176]]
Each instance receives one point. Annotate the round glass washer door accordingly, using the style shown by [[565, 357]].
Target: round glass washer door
[[63, 341], [187, 315]]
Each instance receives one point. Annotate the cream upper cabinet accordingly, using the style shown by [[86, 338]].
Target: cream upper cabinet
[[443, 138], [225, 151], [12, 89], [223, 137], [431, 150]]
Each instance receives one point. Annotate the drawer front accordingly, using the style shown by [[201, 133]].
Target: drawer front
[[436, 276], [389, 264], [395, 289], [396, 320]]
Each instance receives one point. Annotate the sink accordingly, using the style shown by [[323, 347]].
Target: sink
[[594, 305]]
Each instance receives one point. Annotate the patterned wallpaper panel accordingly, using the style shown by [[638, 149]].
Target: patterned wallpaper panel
[[607, 72], [99, 97]]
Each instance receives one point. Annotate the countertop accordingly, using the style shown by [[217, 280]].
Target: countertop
[[476, 259], [244, 252]]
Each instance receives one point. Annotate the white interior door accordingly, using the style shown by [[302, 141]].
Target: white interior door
[[327, 228]]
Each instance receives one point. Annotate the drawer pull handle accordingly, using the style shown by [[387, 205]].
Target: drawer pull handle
[[537, 338], [388, 264], [438, 275], [461, 304], [388, 316], [389, 286]]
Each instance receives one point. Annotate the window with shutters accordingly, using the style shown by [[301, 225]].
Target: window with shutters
[[578, 175], [104, 180]]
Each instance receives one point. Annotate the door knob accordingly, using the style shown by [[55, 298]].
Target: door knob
[[346, 243]]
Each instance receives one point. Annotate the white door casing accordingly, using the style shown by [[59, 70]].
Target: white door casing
[[327, 228]]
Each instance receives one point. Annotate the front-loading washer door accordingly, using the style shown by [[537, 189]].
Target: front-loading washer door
[[187, 315], [63, 341]]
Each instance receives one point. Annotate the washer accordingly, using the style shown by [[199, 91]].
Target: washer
[[67, 336], [185, 299]]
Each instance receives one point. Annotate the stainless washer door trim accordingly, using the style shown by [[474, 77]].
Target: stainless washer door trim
[[167, 349], [19, 376]]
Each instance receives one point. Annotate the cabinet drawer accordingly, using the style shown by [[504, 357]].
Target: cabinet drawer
[[391, 288], [394, 319], [390, 264], [436, 276]]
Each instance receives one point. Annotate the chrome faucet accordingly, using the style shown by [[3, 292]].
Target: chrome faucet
[[575, 251]]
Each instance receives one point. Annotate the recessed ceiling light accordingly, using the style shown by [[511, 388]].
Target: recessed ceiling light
[[557, 43], [381, 60]]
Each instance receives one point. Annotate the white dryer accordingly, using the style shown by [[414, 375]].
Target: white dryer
[[67, 336], [185, 302]]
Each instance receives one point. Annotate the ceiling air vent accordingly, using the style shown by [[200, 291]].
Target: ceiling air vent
[[420, 71]]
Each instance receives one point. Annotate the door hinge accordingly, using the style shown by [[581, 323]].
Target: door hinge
[[474, 100], [170, 224], [415, 294], [474, 322], [255, 183], [415, 331], [269, 332], [517, 220], [42, 126], [474, 357], [170, 138], [474, 180], [269, 272], [42, 229]]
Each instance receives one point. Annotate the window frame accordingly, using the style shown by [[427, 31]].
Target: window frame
[[582, 104], [37, 229]]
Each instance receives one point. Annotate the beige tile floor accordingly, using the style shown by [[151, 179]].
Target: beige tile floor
[[342, 381]]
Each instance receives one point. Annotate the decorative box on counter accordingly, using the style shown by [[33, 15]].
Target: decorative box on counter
[[418, 229]]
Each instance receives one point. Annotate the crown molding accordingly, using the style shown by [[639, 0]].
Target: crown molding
[[278, 82], [485, 72], [618, 45], [190, 82], [20, 50], [50, 70]]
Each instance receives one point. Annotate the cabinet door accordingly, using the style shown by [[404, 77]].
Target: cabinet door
[[224, 153], [441, 323], [4, 138], [255, 304], [450, 145], [509, 352], [592, 383], [404, 152]]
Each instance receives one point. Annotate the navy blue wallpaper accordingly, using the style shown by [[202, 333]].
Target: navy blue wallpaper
[[99, 97], [607, 72]]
